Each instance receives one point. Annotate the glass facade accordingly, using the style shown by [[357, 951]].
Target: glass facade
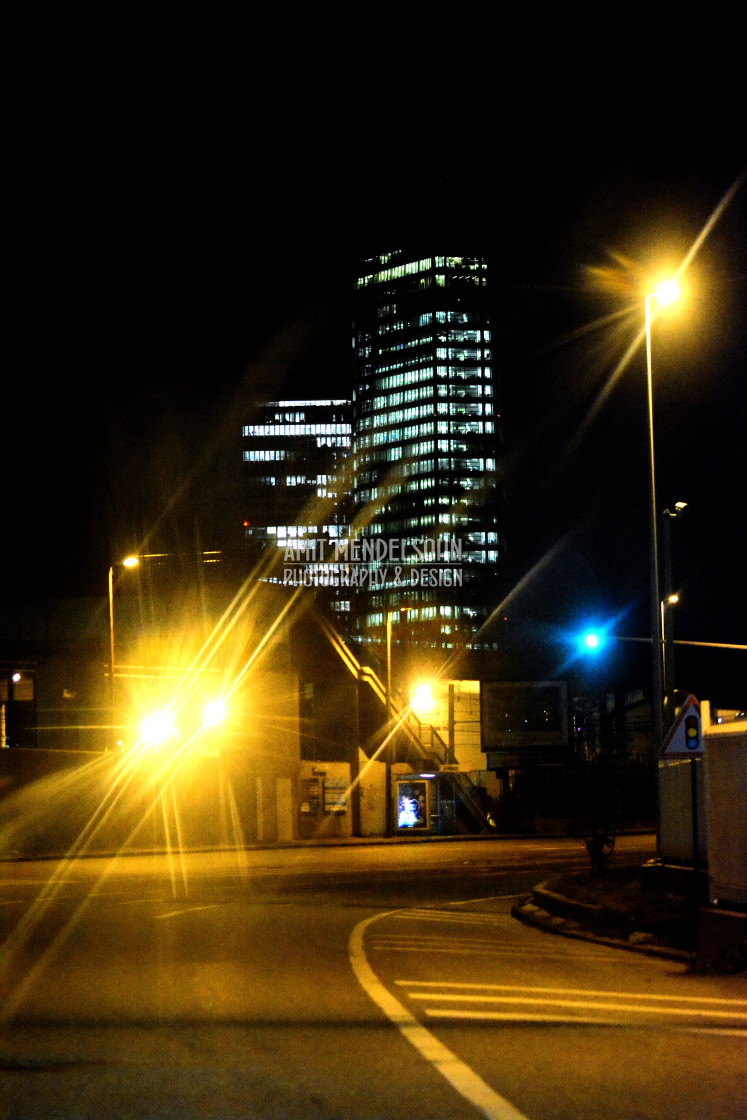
[[427, 436], [296, 456]]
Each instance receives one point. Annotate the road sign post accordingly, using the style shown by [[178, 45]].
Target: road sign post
[[685, 740]]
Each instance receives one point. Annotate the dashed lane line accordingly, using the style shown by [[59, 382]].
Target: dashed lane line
[[187, 910]]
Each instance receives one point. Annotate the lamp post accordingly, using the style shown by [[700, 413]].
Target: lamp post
[[665, 294], [389, 616], [667, 657], [668, 601], [389, 713], [389, 826], [128, 562]]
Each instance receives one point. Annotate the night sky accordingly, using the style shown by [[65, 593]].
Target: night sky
[[185, 209]]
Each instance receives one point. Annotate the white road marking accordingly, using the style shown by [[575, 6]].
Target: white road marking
[[433, 939], [139, 901], [187, 910], [451, 918], [464, 1079], [581, 1004], [570, 991], [425, 947], [569, 1020], [522, 1017], [472, 946], [600, 1001], [736, 1032], [489, 898]]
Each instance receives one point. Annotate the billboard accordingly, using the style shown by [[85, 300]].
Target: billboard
[[525, 720]]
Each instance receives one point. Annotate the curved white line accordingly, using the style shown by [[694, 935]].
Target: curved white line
[[466, 1082]]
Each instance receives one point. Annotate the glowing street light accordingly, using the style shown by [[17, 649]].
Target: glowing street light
[[666, 293], [215, 713], [157, 728], [422, 699]]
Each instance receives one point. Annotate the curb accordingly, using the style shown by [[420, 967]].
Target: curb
[[554, 913], [15, 856], [262, 846]]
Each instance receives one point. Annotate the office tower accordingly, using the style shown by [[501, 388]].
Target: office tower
[[295, 461], [426, 439]]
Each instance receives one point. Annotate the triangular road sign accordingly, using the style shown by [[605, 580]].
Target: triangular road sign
[[685, 738]]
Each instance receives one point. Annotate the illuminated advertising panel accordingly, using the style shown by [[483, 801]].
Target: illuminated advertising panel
[[412, 805]]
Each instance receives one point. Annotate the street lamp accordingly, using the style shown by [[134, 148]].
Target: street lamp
[[128, 562], [666, 293]]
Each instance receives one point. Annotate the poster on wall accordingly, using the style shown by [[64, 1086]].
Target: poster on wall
[[311, 795], [335, 795]]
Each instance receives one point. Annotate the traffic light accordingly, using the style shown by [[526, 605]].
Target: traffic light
[[692, 733]]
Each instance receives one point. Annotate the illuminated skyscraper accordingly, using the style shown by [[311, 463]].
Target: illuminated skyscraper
[[426, 441]]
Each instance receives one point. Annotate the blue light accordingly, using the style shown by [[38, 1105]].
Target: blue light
[[591, 642]]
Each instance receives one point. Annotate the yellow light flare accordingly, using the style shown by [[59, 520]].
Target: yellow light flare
[[215, 712], [158, 728], [422, 699]]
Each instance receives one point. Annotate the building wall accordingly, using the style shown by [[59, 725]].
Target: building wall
[[725, 760], [204, 794]]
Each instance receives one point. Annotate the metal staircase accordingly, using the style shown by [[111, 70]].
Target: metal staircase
[[470, 810], [424, 738]]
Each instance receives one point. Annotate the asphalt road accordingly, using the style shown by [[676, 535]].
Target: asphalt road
[[370, 981]]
